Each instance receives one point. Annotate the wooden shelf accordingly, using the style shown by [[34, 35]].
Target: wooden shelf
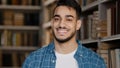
[[48, 2], [21, 7], [21, 49], [93, 5], [89, 41], [90, 6], [26, 10], [111, 38], [104, 1], [19, 28]]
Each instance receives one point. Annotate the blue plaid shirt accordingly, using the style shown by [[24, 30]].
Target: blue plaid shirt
[[45, 58]]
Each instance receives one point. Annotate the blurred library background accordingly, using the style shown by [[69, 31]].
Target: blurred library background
[[25, 26]]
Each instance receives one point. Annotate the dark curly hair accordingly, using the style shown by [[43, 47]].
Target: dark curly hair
[[70, 3]]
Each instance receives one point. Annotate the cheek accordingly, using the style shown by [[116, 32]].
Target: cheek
[[73, 26], [54, 24]]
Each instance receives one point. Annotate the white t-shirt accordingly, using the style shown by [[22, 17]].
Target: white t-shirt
[[66, 60]]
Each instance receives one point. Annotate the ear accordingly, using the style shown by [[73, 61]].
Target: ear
[[78, 25]]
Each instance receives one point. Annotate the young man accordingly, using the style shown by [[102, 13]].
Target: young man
[[65, 51]]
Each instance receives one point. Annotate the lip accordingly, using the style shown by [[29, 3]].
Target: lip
[[62, 31]]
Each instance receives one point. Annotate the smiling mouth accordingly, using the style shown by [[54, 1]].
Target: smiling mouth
[[62, 31]]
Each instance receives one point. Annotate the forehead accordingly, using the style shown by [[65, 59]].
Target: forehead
[[64, 10]]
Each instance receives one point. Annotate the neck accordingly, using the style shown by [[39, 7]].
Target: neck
[[66, 47]]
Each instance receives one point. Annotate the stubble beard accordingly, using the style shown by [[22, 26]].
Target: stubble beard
[[66, 39]]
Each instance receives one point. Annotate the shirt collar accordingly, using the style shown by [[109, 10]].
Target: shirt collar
[[79, 51], [51, 47]]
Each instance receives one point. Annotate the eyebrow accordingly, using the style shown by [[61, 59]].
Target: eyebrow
[[56, 16], [65, 16], [69, 16]]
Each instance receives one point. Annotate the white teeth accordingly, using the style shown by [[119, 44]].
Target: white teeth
[[62, 31]]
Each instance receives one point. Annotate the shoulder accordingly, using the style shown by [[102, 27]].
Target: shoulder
[[38, 53], [93, 58], [35, 57]]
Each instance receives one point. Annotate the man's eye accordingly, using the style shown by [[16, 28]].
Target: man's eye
[[69, 19], [56, 19]]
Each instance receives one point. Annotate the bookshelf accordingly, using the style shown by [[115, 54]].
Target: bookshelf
[[102, 25], [99, 30], [20, 30], [22, 7]]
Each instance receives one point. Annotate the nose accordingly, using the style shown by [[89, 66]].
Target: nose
[[62, 23]]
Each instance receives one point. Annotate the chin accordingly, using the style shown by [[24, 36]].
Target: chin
[[63, 40]]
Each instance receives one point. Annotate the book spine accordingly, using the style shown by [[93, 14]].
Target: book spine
[[117, 52]]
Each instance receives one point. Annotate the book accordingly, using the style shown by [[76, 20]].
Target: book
[[82, 29], [9, 38], [35, 2], [17, 39], [109, 22], [0, 38], [4, 2], [9, 2], [32, 39], [7, 60], [90, 20], [105, 55], [86, 28], [1, 18], [25, 39], [8, 18], [18, 19], [112, 24], [113, 58], [36, 39], [14, 2], [4, 38], [31, 19], [29, 2], [14, 59], [102, 29], [118, 16], [0, 58], [20, 58], [94, 24], [117, 53], [25, 2], [0, 2]]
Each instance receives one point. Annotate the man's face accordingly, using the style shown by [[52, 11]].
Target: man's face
[[65, 23]]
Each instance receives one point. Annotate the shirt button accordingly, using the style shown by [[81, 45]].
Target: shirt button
[[81, 55], [53, 61]]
